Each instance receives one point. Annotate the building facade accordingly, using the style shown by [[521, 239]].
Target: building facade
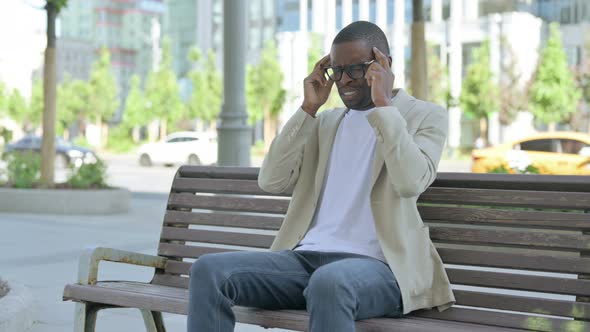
[[129, 29]]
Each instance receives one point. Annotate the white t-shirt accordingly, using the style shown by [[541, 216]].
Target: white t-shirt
[[344, 220]]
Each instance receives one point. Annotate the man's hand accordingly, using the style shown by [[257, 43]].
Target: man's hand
[[316, 88], [380, 78]]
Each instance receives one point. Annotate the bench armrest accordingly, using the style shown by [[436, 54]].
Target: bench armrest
[[88, 264]]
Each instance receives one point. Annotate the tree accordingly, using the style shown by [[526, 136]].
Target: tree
[[104, 98], [583, 78], [135, 115], [479, 95], [438, 78], [553, 94], [52, 7], [265, 92], [73, 103], [162, 92], [36, 104], [418, 59], [207, 94], [17, 108], [512, 95]]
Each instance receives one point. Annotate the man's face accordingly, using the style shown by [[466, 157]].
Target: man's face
[[355, 93]]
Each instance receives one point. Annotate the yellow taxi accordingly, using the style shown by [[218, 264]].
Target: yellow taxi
[[559, 152]]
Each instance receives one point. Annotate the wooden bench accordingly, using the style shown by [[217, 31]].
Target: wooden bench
[[516, 249]]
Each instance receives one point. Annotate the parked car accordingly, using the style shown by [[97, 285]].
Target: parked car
[[187, 147], [551, 152], [66, 153]]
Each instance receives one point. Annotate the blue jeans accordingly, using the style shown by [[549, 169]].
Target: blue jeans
[[335, 288]]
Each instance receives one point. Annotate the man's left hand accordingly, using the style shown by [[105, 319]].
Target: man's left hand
[[380, 78]]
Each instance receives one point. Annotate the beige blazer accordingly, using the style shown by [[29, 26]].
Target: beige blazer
[[410, 138]]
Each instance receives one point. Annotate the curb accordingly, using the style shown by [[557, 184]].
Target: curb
[[16, 309], [65, 201]]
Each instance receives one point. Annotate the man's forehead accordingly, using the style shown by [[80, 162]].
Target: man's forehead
[[350, 52]]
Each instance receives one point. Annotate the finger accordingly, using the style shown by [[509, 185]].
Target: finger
[[381, 58], [323, 62]]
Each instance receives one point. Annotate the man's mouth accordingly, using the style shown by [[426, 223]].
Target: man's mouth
[[348, 94]]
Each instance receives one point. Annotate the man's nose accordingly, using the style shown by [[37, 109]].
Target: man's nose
[[345, 78]]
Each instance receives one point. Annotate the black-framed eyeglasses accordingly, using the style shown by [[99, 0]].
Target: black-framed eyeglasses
[[354, 71]]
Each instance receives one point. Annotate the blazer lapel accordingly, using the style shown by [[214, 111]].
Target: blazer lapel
[[403, 102]]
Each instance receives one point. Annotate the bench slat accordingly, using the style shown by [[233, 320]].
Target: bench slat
[[514, 198], [523, 261], [221, 186], [220, 237], [170, 280], [228, 203], [529, 239], [184, 251], [544, 324], [533, 283], [174, 300], [544, 263], [523, 304], [511, 218], [223, 219]]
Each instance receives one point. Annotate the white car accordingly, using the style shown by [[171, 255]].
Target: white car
[[187, 147]]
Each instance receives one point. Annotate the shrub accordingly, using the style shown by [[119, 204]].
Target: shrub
[[23, 169], [88, 176]]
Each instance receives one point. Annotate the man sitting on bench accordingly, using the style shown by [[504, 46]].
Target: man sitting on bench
[[352, 245]]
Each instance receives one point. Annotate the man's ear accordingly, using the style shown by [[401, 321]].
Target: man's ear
[[390, 61]]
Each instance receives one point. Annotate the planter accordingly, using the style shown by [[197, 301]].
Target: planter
[[65, 201], [16, 309]]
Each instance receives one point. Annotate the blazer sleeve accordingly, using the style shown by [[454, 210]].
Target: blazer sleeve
[[411, 160], [281, 165]]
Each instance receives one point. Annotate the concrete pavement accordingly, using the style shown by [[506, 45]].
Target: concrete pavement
[[41, 252]]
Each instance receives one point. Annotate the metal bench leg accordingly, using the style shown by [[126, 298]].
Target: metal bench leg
[[153, 321], [85, 317]]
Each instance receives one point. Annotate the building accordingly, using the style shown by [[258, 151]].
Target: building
[[129, 29], [191, 23], [455, 27]]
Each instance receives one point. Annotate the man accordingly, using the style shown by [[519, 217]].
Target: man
[[352, 245]]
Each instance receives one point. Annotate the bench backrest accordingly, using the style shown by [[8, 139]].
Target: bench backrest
[[509, 242]]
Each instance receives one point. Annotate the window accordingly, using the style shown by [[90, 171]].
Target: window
[[572, 146], [176, 140], [542, 145]]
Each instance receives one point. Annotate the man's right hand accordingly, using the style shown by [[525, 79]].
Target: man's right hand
[[316, 87]]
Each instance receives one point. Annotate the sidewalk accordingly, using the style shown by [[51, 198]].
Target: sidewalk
[[41, 252]]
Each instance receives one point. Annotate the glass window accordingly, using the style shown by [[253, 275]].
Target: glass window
[[572, 146], [542, 145]]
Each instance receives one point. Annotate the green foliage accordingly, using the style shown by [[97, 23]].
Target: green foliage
[[505, 169], [3, 99], [36, 105], [104, 100], [135, 106], [479, 95], [58, 4], [73, 102], [17, 107], [162, 92], [82, 141], [264, 86], [23, 169], [207, 94], [120, 140], [438, 78], [553, 94], [88, 176]]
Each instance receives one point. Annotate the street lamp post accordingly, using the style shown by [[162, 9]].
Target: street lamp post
[[233, 130]]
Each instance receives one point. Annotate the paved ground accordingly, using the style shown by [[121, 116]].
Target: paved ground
[[41, 252]]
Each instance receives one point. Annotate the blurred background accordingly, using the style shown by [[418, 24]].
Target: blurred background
[[131, 72]]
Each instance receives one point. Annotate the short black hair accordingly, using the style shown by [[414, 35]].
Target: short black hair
[[363, 30]]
